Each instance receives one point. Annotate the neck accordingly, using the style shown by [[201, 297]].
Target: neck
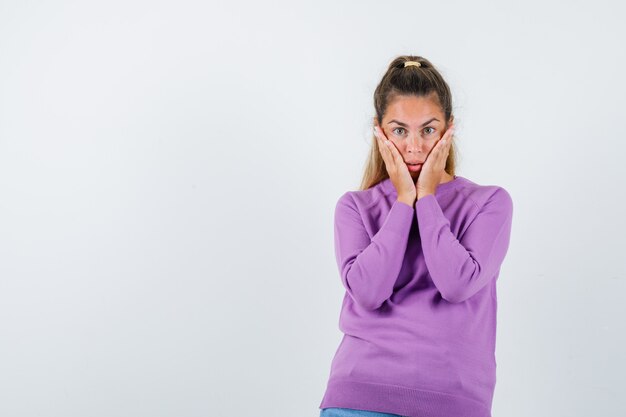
[[447, 177], [444, 178]]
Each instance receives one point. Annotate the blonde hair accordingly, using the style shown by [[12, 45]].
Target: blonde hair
[[421, 81]]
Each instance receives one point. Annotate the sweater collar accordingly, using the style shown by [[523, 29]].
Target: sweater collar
[[389, 188]]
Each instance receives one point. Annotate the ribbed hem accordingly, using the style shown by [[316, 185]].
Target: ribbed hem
[[396, 399]]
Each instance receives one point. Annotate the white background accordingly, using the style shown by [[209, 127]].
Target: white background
[[169, 170]]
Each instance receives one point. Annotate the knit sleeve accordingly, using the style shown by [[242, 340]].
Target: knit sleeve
[[462, 267], [369, 267]]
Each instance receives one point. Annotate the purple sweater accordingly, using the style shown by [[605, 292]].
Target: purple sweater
[[419, 311]]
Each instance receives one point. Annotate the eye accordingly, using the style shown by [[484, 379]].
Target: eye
[[401, 128], [430, 128]]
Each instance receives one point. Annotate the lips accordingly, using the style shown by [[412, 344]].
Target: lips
[[414, 167]]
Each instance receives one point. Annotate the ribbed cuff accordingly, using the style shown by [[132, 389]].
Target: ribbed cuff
[[428, 211], [399, 218]]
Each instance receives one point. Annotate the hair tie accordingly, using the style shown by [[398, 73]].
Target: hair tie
[[407, 63]]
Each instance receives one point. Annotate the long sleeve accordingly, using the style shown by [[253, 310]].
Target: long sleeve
[[460, 268], [368, 267]]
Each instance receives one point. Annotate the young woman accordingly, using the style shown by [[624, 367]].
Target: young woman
[[419, 251]]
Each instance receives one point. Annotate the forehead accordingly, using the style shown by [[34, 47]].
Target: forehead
[[413, 109]]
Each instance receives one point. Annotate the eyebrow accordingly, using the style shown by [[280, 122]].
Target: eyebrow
[[405, 125]]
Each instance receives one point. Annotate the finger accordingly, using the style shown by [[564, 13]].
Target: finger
[[380, 134], [449, 140], [384, 153], [439, 152], [383, 148], [449, 133], [396, 154], [393, 151], [446, 149], [381, 145], [446, 139], [387, 147]]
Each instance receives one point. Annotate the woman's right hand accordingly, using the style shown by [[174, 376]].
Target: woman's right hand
[[396, 168]]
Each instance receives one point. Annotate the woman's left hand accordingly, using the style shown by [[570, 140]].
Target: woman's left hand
[[433, 168]]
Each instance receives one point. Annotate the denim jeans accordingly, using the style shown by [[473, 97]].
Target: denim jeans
[[349, 412]]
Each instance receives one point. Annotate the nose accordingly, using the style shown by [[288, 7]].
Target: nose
[[414, 144]]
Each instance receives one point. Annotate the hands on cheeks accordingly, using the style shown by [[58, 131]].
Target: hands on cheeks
[[396, 168], [431, 173], [433, 169]]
